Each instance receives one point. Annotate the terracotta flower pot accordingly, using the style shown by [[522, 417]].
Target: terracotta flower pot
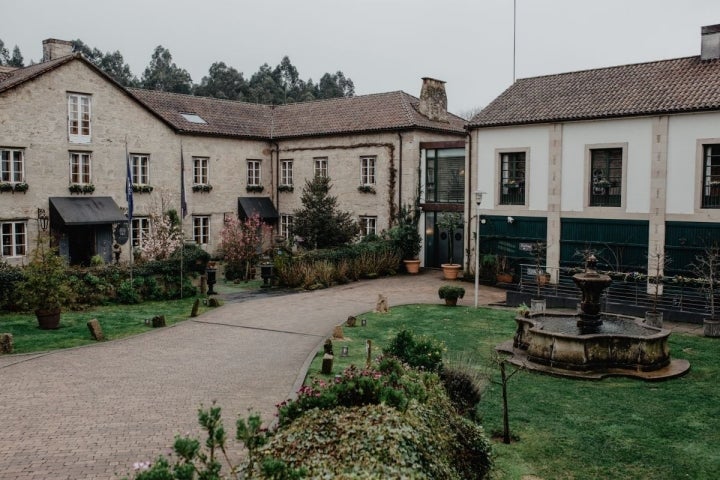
[[412, 266], [48, 319], [451, 270]]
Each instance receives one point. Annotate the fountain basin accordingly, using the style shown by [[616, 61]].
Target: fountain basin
[[620, 342]]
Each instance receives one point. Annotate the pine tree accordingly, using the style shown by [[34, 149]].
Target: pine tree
[[319, 224]]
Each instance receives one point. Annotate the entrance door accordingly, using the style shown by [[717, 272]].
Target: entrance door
[[436, 243], [81, 244]]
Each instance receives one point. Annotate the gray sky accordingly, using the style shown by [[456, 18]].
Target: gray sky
[[383, 45]]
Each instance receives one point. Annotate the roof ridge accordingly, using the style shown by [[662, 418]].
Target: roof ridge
[[338, 99], [195, 97]]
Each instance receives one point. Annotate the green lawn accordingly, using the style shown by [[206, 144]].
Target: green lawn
[[574, 429]]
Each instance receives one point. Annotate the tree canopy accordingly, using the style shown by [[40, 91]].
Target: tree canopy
[[14, 60], [319, 224], [111, 63], [162, 74]]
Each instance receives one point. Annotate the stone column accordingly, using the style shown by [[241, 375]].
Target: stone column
[[554, 206], [658, 196]]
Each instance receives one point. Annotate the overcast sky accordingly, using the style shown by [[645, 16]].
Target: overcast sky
[[382, 45]]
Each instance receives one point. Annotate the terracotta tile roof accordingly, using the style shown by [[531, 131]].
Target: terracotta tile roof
[[365, 113], [21, 75], [663, 87], [223, 117]]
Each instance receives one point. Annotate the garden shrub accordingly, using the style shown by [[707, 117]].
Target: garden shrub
[[464, 388], [10, 279], [126, 294], [422, 352]]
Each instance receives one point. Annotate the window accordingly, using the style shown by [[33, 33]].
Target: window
[[12, 165], [139, 165], [445, 175], [368, 226], [193, 118], [253, 173], [606, 177], [200, 170], [201, 230], [512, 178], [140, 230], [321, 167], [286, 172], [79, 118], [711, 176], [367, 170], [80, 167], [13, 239], [286, 225]]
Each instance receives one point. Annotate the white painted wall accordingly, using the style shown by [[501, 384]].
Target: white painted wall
[[533, 138], [637, 133], [684, 173]]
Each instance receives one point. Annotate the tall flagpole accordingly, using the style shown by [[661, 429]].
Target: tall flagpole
[[130, 205], [183, 213], [514, 34]]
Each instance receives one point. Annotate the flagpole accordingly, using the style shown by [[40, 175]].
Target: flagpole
[[183, 213], [130, 205]]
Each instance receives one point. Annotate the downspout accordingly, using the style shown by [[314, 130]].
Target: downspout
[[400, 171], [469, 200]]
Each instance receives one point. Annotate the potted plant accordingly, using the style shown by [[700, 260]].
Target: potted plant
[[503, 275], [448, 223], [451, 293], [658, 261], [707, 268], [46, 288], [406, 238]]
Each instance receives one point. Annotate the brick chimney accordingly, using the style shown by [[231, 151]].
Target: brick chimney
[[433, 101], [710, 42], [54, 48]]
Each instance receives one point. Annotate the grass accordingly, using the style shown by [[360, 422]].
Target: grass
[[572, 429]]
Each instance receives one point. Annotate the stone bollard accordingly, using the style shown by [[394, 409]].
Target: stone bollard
[[195, 307], [350, 322], [338, 333], [158, 321], [327, 364], [328, 347], [382, 304], [95, 330], [214, 302], [6, 343]]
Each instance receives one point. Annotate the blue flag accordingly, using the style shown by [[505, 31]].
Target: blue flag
[[183, 200], [128, 186]]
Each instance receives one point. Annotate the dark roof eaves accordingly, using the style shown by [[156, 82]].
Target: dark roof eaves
[[403, 128]]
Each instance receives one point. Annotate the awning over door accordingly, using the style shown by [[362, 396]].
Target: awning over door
[[263, 206], [71, 211]]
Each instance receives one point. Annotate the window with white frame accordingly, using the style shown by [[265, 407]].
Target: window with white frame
[[368, 226], [201, 230], [606, 176], [140, 169], [321, 167], [253, 173], [140, 230], [367, 170], [12, 165], [79, 107], [200, 170], [286, 225], [13, 239], [80, 167], [286, 172], [711, 176]]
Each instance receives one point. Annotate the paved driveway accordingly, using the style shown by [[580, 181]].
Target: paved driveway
[[90, 412]]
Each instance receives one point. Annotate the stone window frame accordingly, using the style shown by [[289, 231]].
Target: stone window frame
[[588, 177], [286, 172], [10, 231], [79, 114], [201, 229], [80, 167], [499, 152], [8, 171], [140, 168], [368, 225], [321, 166], [368, 165], [201, 170], [254, 173]]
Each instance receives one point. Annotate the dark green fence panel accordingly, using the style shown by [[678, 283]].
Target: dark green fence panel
[[620, 245], [511, 239], [685, 240]]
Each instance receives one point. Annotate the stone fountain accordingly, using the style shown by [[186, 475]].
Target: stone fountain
[[592, 344]]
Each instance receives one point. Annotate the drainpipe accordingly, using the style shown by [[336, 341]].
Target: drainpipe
[[400, 152]]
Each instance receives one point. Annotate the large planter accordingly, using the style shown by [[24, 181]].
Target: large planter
[[711, 327], [504, 277], [654, 319], [451, 270], [412, 266], [451, 302], [48, 319], [537, 305]]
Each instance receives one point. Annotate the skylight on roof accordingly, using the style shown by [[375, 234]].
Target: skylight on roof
[[193, 118]]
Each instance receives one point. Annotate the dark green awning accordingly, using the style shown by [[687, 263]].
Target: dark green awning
[[263, 206], [72, 211]]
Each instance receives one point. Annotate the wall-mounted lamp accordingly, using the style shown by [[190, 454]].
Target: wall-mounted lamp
[[510, 220], [483, 220], [43, 219]]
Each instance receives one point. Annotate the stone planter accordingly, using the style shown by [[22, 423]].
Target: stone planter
[[654, 319], [451, 302], [48, 319], [412, 266], [711, 327], [451, 270], [537, 305]]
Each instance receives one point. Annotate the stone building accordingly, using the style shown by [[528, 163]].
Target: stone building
[[68, 129]]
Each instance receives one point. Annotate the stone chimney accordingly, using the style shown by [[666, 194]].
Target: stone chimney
[[53, 48], [710, 42], [433, 101]]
